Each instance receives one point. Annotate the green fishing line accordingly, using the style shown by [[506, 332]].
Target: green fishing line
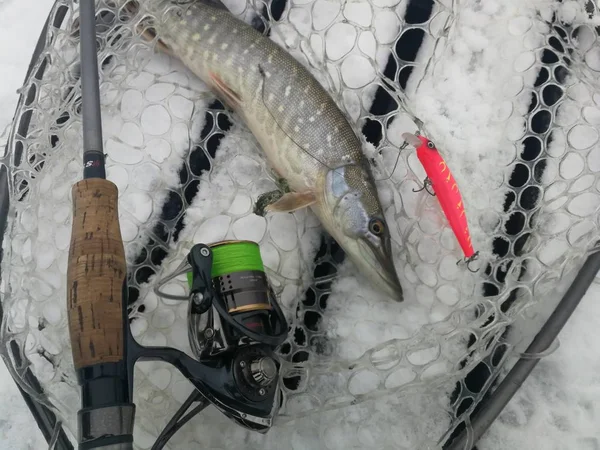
[[234, 257]]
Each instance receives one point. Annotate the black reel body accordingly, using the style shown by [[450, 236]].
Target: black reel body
[[235, 325], [235, 317]]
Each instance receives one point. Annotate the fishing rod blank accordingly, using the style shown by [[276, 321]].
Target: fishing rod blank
[[96, 278]]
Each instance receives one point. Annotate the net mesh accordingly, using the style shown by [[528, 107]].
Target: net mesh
[[358, 371]]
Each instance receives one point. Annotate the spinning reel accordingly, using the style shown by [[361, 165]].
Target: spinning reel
[[234, 324]]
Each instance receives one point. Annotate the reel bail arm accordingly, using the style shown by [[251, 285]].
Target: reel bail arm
[[200, 259]]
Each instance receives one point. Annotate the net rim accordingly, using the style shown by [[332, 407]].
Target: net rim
[[586, 265]]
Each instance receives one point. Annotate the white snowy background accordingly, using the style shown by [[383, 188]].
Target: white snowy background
[[559, 405], [20, 24]]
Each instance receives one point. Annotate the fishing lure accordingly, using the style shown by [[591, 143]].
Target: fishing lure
[[444, 187]]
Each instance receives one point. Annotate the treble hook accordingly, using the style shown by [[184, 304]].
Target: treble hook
[[426, 185], [468, 261], [380, 153]]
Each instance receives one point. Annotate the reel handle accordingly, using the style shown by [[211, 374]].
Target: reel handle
[[96, 284]]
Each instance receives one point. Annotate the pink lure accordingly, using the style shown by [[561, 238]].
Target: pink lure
[[446, 190]]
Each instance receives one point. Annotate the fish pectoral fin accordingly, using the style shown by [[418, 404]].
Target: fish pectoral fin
[[265, 200], [292, 201], [229, 96]]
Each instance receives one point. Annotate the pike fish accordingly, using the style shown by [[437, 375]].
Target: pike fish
[[306, 138]]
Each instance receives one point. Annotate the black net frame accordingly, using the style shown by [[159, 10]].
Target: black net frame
[[329, 250]]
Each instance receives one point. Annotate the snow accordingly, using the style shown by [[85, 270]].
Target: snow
[[558, 406], [18, 429], [472, 99], [17, 46]]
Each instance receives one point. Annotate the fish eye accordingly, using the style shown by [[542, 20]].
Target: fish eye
[[430, 144], [376, 227]]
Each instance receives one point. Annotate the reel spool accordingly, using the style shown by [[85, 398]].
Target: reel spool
[[234, 320]]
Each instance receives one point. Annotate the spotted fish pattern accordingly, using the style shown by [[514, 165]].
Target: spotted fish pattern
[[305, 136]]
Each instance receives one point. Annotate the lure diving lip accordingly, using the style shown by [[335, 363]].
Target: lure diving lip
[[445, 188]]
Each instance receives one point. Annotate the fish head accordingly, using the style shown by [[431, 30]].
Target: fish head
[[356, 221]]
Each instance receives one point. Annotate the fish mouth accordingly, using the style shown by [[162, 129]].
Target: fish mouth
[[412, 139], [382, 270]]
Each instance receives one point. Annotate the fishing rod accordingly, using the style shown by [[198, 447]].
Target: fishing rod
[[234, 320], [96, 276]]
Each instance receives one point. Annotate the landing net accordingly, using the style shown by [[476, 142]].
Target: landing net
[[519, 127]]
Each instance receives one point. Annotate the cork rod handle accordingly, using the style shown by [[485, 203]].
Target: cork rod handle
[[96, 273]]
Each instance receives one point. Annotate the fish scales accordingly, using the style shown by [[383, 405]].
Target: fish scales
[[294, 137], [305, 136]]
